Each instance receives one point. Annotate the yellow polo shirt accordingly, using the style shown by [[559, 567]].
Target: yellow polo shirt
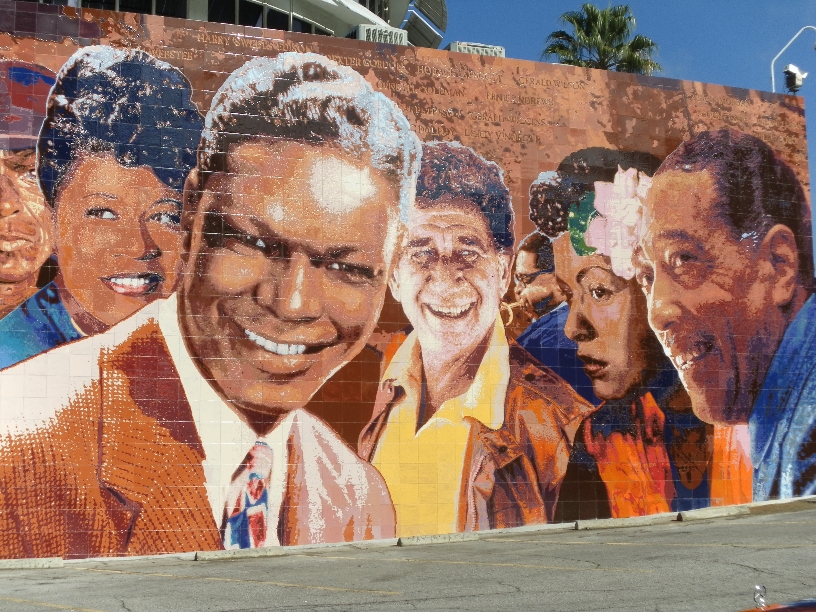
[[423, 469]]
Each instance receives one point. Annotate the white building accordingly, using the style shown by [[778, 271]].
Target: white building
[[425, 21]]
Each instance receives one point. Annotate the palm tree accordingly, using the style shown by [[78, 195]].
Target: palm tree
[[602, 39]]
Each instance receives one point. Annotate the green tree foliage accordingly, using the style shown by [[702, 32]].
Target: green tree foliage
[[602, 38]]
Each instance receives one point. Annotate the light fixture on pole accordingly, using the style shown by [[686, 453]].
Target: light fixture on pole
[[793, 78], [773, 61]]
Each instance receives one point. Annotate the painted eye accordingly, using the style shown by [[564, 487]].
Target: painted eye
[[600, 293], [680, 259], [30, 176], [423, 257], [167, 218], [468, 255], [240, 240], [102, 213], [351, 273], [644, 278]]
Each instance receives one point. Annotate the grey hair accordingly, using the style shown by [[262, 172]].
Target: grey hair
[[306, 96]]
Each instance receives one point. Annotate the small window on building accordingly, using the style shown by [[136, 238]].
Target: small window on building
[[134, 6], [171, 8], [107, 5], [221, 11], [277, 20], [379, 7], [250, 14], [299, 25]]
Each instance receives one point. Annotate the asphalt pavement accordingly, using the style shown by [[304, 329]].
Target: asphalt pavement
[[704, 564]]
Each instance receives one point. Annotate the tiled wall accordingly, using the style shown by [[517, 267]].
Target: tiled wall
[[263, 288]]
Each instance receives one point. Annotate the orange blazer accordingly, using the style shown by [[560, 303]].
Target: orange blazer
[[117, 470]]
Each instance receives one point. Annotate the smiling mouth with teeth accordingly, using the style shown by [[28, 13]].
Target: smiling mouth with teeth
[[700, 350], [134, 284], [8, 245], [278, 348], [450, 312]]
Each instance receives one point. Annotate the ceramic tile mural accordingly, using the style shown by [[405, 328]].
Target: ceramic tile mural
[[263, 289]]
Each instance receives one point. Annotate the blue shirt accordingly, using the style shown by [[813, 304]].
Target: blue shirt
[[783, 420], [545, 340], [35, 326]]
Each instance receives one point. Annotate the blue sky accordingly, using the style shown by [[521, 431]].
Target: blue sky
[[729, 42]]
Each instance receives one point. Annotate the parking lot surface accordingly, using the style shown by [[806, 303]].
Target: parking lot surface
[[693, 565]]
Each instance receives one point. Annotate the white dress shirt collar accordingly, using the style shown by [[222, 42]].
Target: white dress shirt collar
[[225, 436]]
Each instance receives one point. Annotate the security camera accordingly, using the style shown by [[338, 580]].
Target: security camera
[[793, 78]]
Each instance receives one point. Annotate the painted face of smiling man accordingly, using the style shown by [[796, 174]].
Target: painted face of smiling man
[[724, 264], [290, 260], [451, 278], [456, 264], [292, 231]]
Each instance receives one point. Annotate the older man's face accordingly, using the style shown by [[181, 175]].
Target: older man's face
[[708, 295], [287, 271], [537, 291], [450, 278], [26, 230]]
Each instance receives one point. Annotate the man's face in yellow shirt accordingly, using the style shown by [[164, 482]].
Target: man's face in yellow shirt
[[451, 278]]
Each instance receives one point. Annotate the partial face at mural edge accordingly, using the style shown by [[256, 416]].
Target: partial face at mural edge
[[118, 237], [715, 301], [607, 320], [536, 291], [26, 227], [287, 269], [450, 278]]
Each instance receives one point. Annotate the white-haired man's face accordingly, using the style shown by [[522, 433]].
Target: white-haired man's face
[[290, 254], [450, 278]]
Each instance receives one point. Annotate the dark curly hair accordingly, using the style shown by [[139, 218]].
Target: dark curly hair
[[451, 169], [541, 246], [124, 102], [756, 189], [554, 193]]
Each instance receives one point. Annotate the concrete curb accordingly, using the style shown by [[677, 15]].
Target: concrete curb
[[280, 551], [243, 553], [634, 521], [188, 556], [42, 563], [524, 529], [777, 506], [710, 513], [760, 508], [438, 538]]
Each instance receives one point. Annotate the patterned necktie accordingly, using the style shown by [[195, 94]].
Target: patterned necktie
[[247, 506]]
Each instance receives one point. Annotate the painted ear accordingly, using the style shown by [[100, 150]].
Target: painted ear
[[190, 199], [394, 284], [506, 271], [784, 259]]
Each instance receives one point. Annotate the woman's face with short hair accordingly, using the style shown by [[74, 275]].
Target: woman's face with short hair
[[118, 237]]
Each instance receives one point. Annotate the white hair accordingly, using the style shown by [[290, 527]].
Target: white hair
[[306, 96]]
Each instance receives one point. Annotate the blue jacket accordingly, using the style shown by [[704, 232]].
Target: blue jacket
[[783, 419], [35, 326], [546, 341]]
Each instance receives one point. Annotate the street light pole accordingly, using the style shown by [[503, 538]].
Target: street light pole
[[773, 77]]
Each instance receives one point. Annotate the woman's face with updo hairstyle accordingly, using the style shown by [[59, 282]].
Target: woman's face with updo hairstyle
[[607, 319], [118, 237]]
